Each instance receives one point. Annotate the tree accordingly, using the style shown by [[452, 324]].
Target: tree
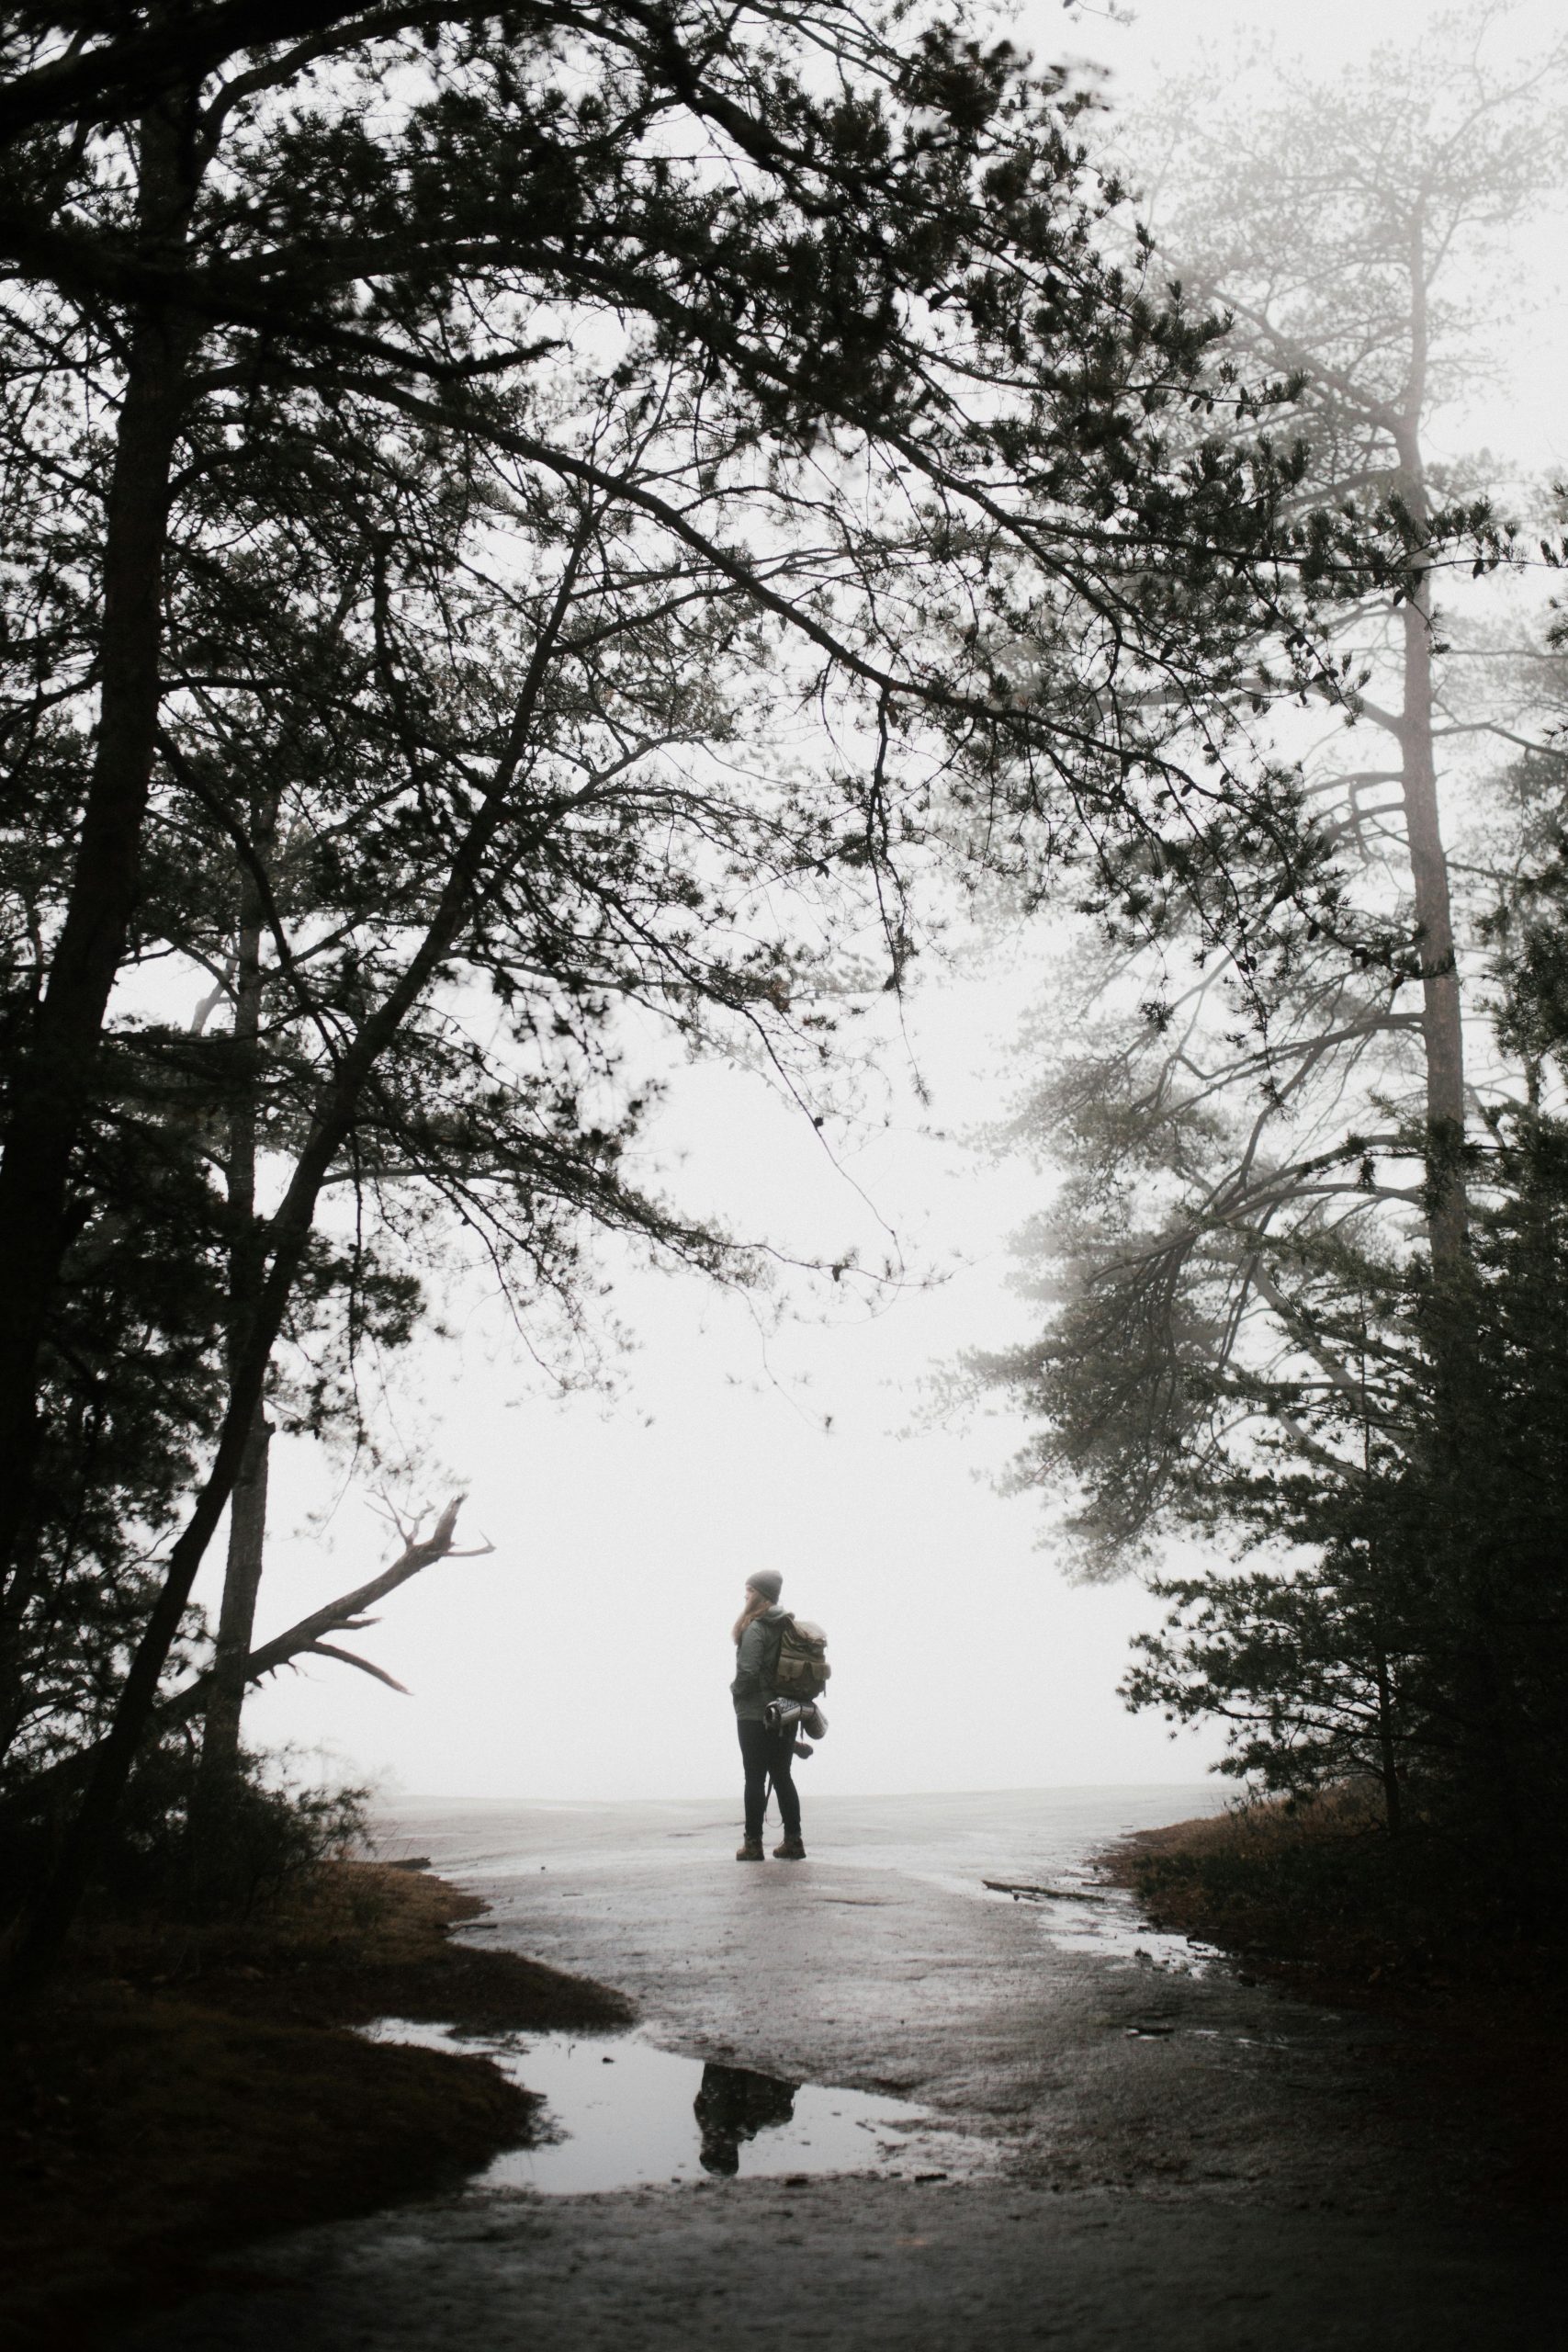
[[501, 430], [1419, 1636], [1254, 1139], [1409, 1620]]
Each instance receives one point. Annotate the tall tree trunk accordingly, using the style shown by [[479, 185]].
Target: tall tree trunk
[[247, 1508], [236, 1621], [1442, 1023], [1442, 1027], [54, 1083]]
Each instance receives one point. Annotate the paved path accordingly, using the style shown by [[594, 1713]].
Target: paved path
[[1164, 2159]]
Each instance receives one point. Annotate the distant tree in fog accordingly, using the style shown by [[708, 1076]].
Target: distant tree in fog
[[1245, 1124], [1310, 1198]]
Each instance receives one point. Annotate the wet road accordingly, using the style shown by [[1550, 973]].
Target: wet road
[[1139, 2150]]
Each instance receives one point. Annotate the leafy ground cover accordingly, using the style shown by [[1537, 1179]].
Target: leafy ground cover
[[1314, 1895], [186, 2089]]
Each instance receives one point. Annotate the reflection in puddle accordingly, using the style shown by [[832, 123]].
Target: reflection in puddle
[[733, 2103], [623, 2115]]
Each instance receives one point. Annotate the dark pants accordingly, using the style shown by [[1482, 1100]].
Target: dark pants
[[764, 1752]]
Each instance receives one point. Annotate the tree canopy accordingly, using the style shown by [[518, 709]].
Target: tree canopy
[[515, 514], [1293, 1289]]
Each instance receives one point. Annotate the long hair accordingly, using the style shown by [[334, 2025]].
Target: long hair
[[757, 1605]]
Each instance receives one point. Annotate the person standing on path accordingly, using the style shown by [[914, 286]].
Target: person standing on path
[[759, 1631]]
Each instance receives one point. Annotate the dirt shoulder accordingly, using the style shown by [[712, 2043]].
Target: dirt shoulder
[[185, 2090]]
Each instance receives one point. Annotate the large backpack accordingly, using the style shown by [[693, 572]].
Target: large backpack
[[803, 1669]]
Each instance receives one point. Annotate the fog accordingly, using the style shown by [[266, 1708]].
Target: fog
[[586, 1655]]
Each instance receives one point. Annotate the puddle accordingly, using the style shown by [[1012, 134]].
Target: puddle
[[624, 2115], [1101, 1918]]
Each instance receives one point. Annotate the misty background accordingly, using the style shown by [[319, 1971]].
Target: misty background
[[586, 1655]]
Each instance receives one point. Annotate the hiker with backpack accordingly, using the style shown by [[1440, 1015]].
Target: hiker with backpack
[[780, 1667]]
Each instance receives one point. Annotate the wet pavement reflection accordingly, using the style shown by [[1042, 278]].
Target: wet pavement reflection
[[733, 2103]]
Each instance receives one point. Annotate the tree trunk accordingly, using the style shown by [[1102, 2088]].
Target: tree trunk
[[1442, 1015], [236, 1620], [54, 1083], [1442, 1023], [247, 1260]]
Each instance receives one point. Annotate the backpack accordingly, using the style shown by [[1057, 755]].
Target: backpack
[[803, 1669]]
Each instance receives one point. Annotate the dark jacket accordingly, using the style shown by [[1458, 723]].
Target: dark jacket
[[757, 1663]]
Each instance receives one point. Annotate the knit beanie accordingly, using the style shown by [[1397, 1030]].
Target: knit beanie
[[768, 1581]]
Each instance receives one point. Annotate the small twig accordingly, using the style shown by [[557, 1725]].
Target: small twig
[[1017, 1887]]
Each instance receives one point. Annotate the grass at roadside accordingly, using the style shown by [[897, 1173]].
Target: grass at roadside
[[186, 2089], [1317, 1885], [1316, 1896]]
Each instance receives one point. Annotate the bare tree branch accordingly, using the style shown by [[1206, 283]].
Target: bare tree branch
[[345, 1614]]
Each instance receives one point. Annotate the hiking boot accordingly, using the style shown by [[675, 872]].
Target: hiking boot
[[750, 1850], [792, 1851]]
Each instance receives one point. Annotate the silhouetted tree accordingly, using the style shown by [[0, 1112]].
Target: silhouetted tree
[[456, 455]]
